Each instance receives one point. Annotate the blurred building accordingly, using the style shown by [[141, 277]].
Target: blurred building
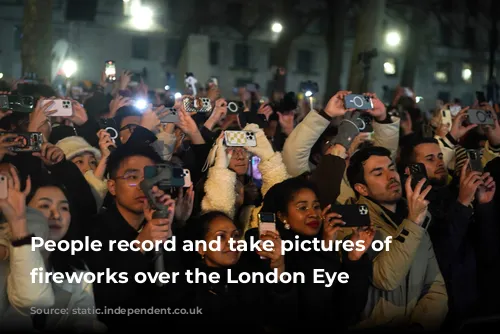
[[195, 36]]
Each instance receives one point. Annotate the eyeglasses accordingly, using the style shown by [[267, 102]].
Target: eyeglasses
[[132, 180], [130, 127], [238, 152]]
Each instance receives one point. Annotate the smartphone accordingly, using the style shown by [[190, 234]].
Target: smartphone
[[475, 163], [17, 103], [187, 178], [172, 117], [354, 215], [63, 108], [446, 118], [479, 116], [235, 107], [454, 110], [171, 176], [364, 123], [214, 81], [28, 141], [267, 222], [4, 190], [202, 104], [239, 138], [358, 101], [110, 71], [480, 97], [418, 172]]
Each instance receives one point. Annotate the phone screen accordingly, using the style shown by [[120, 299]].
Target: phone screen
[[110, 70]]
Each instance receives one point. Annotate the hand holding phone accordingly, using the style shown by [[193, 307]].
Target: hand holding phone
[[240, 138], [418, 172], [358, 101], [64, 108], [267, 222]]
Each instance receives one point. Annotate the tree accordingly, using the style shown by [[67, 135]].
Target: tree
[[367, 38], [36, 49]]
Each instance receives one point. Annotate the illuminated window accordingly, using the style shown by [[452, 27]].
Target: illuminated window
[[442, 73]]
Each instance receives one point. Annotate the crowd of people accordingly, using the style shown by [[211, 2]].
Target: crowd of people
[[86, 181]]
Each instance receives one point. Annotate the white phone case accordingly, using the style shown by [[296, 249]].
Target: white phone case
[[446, 118], [187, 178], [63, 107], [240, 138]]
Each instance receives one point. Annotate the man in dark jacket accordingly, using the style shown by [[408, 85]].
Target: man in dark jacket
[[129, 219], [464, 236]]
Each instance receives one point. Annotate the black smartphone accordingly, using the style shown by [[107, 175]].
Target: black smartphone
[[110, 71], [27, 141], [354, 215], [475, 160], [17, 103], [418, 172], [480, 97]]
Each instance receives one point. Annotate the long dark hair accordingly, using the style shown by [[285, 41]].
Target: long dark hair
[[62, 261]]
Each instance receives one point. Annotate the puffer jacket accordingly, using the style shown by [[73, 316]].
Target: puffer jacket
[[407, 287], [220, 192]]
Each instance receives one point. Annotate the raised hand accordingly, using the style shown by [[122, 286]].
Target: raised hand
[[417, 204], [13, 207], [80, 116], [286, 122], [117, 103], [332, 222], [265, 110], [7, 141], [469, 184], [458, 130], [184, 206], [50, 154], [486, 192], [335, 106], [379, 111], [105, 142], [277, 259], [39, 117], [365, 234]]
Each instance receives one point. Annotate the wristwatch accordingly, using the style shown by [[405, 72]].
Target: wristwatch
[[23, 241]]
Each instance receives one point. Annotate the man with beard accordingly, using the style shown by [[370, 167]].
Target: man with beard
[[407, 289], [464, 236]]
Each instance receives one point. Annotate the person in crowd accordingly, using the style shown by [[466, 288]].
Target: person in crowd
[[296, 151], [131, 218], [232, 301], [299, 216], [90, 161], [407, 281], [459, 129], [464, 234], [229, 171], [50, 200]]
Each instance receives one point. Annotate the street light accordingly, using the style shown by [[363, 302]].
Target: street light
[[276, 27], [167, 87], [393, 38], [142, 17], [69, 68], [308, 93], [177, 96], [1, 75]]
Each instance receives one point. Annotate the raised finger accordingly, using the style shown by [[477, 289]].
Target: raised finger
[[325, 210], [16, 183]]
